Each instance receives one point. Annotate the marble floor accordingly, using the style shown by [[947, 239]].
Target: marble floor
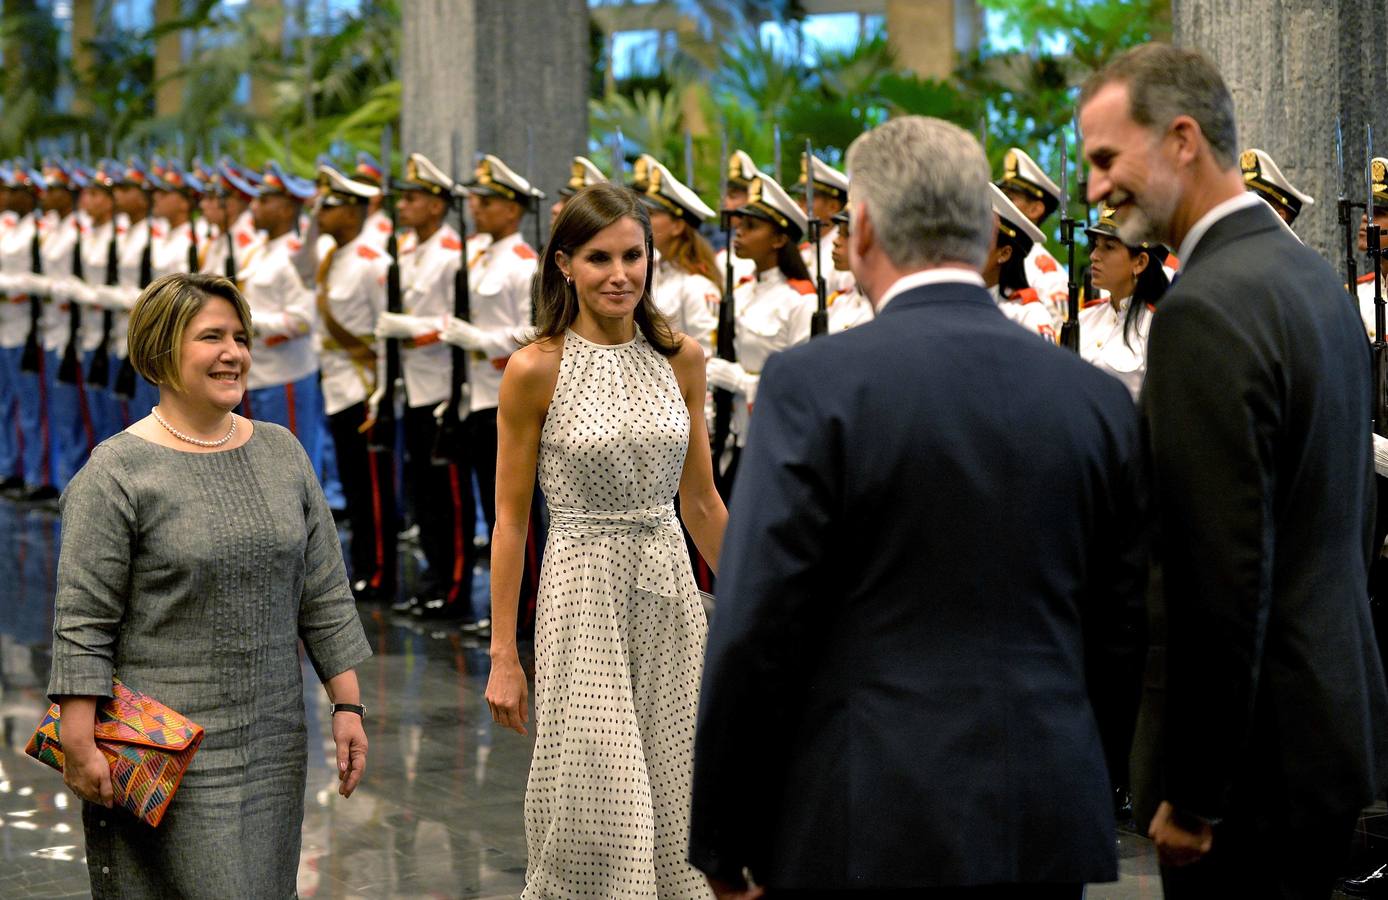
[[438, 815]]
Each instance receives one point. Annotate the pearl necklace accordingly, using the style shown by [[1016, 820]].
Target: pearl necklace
[[154, 410]]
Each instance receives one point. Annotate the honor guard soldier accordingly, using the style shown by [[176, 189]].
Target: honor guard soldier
[[14, 329], [741, 171], [376, 230], [682, 287], [583, 173], [99, 267], [129, 186], [774, 307], [237, 235], [1263, 177], [203, 174], [1378, 172], [350, 291], [283, 382], [829, 197], [847, 306], [69, 420], [20, 264], [1113, 328], [442, 498], [1037, 196], [1005, 273], [499, 279]]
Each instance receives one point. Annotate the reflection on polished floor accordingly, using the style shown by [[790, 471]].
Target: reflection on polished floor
[[439, 813]]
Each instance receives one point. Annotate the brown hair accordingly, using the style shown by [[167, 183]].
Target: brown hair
[[584, 215], [162, 314], [691, 251], [1165, 82]]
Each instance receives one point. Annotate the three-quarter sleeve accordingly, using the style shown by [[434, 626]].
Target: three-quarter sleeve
[[98, 536], [328, 622]]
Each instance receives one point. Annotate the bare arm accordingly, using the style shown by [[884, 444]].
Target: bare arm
[[526, 389], [700, 506]]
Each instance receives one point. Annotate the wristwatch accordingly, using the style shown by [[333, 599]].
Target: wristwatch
[[350, 707]]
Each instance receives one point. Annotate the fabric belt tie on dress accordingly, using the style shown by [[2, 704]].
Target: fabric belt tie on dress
[[656, 530]]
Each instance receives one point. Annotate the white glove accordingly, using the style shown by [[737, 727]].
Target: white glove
[[440, 410], [273, 325], [83, 293], [1381, 455], [731, 377], [461, 334], [395, 325]]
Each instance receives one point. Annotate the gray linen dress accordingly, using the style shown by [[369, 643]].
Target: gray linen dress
[[192, 576]]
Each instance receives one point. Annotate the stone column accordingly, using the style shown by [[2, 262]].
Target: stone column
[[498, 73], [267, 17], [1293, 67], [928, 34]]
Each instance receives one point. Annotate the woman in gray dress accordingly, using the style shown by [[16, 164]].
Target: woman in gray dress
[[197, 552]]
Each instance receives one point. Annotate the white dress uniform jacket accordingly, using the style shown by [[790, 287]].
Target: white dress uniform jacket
[[354, 279], [89, 292], [375, 231], [426, 293], [1102, 342], [16, 249], [772, 315], [688, 301], [499, 280], [834, 280], [282, 313], [742, 268], [244, 237], [130, 251], [1024, 308], [848, 308], [1050, 281], [59, 239]]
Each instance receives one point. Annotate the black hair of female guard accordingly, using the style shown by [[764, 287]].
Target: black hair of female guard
[[1151, 283], [584, 215]]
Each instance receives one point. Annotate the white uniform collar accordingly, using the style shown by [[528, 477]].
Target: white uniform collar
[[942, 275], [510, 240], [1244, 200]]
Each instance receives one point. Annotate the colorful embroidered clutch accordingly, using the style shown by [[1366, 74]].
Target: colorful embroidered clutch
[[148, 745]]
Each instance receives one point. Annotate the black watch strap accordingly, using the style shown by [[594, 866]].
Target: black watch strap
[[351, 708]]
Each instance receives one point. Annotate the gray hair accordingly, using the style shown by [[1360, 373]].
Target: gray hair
[[925, 184], [1165, 82]]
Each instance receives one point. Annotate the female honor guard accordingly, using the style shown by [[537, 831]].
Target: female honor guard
[[1036, 196], [741, 171], [1364, 290], [237, 237], [1113, 330], [351, 294], [283, 385], [24, 445], [441, 490], [1005, 272], [683, 287], [773, 309], [830, 195], [847, 306], [1263, 177]]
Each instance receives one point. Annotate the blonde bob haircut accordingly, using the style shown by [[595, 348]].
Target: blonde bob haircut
[[162, 314]]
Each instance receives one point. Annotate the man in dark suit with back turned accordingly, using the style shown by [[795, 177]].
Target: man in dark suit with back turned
[[1257, 403], [936, 547]]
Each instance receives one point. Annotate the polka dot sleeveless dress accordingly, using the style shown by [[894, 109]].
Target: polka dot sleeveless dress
[[619, 636]]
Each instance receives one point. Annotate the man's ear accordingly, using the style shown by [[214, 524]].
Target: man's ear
[[861, 232], [1188, 138]]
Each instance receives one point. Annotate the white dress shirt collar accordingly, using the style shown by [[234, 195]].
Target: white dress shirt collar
[[942, 275], [1227, 208]]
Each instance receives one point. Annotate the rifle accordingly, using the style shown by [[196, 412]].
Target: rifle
[[99, 375], [727, 323], [31, 359], [819, 322], [71, 365], [382, 433], [1380, 348], [1070, 328], [449, 440], [1346, 208]]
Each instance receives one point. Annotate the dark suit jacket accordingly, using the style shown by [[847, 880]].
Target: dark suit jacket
[[936, 529], [1257, 407]]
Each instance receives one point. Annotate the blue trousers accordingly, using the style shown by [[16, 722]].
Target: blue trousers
[[10, 389], [146, 398], [297, 406], [36, 440], [109, 412], [71, 429]]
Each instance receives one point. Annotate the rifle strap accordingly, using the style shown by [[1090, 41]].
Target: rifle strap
[[362, 354]]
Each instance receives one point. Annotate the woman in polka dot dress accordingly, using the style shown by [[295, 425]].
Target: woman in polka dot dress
[[608, 405]]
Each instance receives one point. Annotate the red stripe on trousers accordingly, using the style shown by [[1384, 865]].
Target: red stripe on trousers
[[85, 410], [372, 459], [456, 490], [43, 419], [289, 401]]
